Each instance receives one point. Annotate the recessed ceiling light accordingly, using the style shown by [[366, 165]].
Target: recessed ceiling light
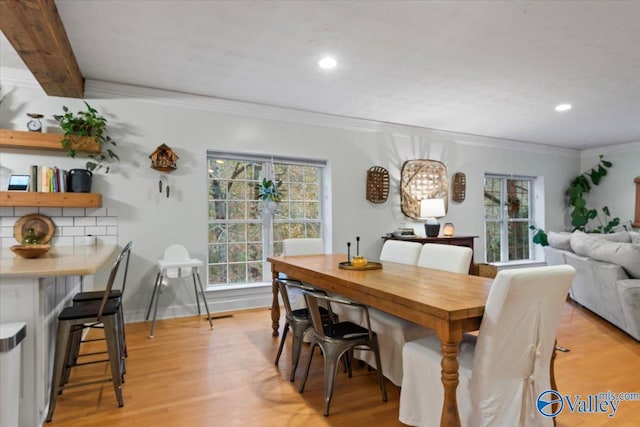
[[563, 107], [327, 63]]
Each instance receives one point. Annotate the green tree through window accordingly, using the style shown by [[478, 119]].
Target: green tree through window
[[241, 235]]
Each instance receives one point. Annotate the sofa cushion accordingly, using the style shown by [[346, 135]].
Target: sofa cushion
[[626, 255], [635, 236], [560, 240], [579, 239]]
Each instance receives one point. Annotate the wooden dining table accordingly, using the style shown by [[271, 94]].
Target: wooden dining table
[[449, 303]]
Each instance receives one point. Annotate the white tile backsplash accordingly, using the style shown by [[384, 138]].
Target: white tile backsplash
[[73, 212], [71, 223], [72, 231], [63, 221], [8, 221], [22, 211], [96, 211], [107, 220], [95, 231], [51, 211], [80, 221]]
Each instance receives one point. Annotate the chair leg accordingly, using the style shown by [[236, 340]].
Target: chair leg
[[282, 340], [204, 299], [330, 372], [110, 330], [376, 353], [153, 295], [195, 288], [59, 365], [306, 371], [155, 312], [122, 333], [296, 349], [73, 352]]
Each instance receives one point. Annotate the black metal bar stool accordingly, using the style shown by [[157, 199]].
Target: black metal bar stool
[[92, 297], [72, 321]]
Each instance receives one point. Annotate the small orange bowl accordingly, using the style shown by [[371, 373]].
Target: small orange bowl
[[30, 251]]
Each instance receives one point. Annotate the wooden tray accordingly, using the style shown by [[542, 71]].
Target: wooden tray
[[42, 226], [370, 266]]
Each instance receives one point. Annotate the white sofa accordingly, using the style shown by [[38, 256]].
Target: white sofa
[[607, 279]]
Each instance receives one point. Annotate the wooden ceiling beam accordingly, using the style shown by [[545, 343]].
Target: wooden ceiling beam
[[35, 30]]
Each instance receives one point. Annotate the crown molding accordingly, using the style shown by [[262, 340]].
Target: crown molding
[[111, 90], [95, 88], [610, 149]]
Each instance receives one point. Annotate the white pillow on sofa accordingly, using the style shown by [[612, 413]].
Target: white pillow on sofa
[[579, 239], [560, 240], [626, 255], [635, 236]]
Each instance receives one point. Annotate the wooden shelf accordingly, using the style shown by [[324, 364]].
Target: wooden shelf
[[42, 141], [37, 199]]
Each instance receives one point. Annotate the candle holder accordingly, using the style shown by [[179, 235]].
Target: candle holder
[[448, 229]]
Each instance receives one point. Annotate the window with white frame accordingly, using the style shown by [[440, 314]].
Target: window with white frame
[[508, 213], [242, 234]]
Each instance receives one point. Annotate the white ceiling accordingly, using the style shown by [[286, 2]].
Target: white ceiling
[[491, 68]]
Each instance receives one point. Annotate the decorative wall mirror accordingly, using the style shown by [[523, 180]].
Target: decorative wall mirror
[[422, 179]]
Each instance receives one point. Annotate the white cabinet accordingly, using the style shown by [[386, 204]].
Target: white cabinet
[[37, 302]]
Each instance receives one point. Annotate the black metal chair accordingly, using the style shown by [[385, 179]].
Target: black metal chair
[[92, 297], [72, 321], [298, 320], [337, 339]]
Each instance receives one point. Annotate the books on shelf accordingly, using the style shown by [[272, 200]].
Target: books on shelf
[[48, 179]]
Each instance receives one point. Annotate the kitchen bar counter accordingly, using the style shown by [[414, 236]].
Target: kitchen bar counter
[[34, 291], [59, 261]]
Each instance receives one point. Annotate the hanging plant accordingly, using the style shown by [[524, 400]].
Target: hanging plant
[[269, 192]]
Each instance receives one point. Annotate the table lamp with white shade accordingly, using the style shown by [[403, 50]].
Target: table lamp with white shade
[[432, 209]]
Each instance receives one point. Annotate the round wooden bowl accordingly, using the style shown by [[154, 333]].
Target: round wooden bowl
[[30, 251]]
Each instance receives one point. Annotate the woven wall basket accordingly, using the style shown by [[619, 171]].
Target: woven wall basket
[[377, 184], [422, 179], [458, 187]]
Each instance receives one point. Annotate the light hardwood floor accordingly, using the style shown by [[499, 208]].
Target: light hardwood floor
[[191, 376]]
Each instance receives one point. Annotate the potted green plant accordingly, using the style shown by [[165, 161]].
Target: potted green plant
[[269, 192], [83, 128]]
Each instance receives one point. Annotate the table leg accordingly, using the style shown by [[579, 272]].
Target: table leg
[[552, 375], [450, 336], [275, 304]]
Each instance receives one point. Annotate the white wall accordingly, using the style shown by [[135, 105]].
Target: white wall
[[617, 190], [142, 119]]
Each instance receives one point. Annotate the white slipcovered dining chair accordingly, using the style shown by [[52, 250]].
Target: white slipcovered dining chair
[[400, 251], [304, 246], [456, 259], [393, 332], [506, 367]]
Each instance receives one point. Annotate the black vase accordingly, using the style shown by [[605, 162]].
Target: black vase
[[79, 181]]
